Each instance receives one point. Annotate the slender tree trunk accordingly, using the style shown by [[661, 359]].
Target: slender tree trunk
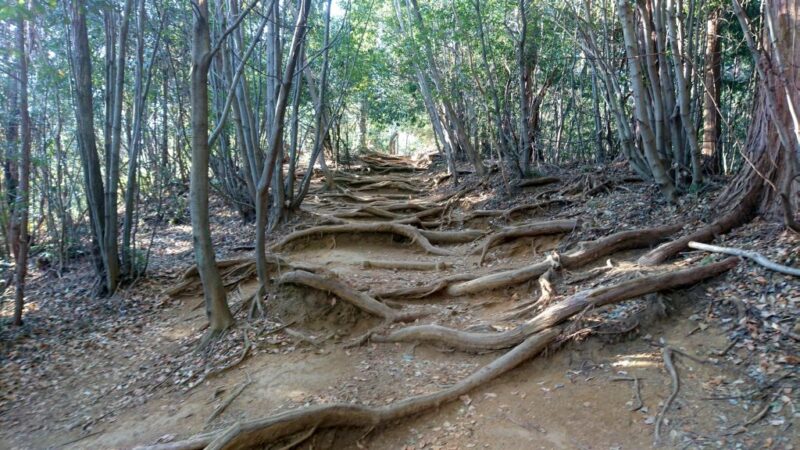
[[23, 191], [217, 311], [265, 180], [523, 87], [84, 115], [712, 122], [683, 95], [363, 113], [639, 95]]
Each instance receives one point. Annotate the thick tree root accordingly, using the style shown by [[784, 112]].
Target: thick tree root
[[397, 185], [350, 295], [360, 180], [530, 230], [452, 237], [508, 214], [233, 272], [559, 312], [371, 211], [587, 253], [273, 428], [404, 265], [727, 222], [418, 292], [463, 284], [381, 227], [538, 181], [546, 294]]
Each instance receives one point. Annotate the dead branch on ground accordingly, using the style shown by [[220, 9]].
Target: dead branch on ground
[[756, 257]]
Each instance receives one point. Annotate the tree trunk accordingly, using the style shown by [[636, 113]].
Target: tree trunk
[[523, 87], [23, 190], [639, 95], [711, 99], [217, 311], [87, 142], [109, 241], [773, 138], [275, 134]]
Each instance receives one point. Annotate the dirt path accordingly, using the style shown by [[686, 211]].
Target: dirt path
[[567, 399]]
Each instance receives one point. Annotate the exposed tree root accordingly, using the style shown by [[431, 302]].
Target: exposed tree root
[[463, 284], [398, 185], [452, 237], [743, 211], [385, 212], [754, 256], [233, 272], [637, 393], [426, 290], [273, 428], [236, 392], [666, 354], [350, 295], [538, 181], [546, 295], [508, 214], [557, 313], [586, 253], [405, 265], [360, 180], [242, 356], [381, 227], [529, 230], [346, 194]]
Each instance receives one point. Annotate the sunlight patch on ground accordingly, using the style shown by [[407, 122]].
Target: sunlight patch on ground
[[7, 309], [636, 360]]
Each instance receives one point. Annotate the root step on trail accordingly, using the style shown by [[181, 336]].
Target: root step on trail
[[559, 312]]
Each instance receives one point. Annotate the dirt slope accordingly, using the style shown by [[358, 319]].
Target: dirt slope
[[123, 372]]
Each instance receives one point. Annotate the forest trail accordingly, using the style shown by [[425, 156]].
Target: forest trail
[[303, 354]]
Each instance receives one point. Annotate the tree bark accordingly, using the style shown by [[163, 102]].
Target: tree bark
[[711, 98], [23, 190], [639, 94], [217, 311], [276, 134], [87, 142]]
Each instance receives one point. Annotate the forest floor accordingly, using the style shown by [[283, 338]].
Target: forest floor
[[124, 372]]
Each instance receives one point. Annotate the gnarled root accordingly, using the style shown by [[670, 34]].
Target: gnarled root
[[394, 228], [538, 181], [350, 295], [559, 312], [388, 184], [232, 271], [271, 429], [452, 237], [587, 253], [418, 292], [546, 294], [529, 230], [463, 284], [705, 234], [508, 214], [405, 265]]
